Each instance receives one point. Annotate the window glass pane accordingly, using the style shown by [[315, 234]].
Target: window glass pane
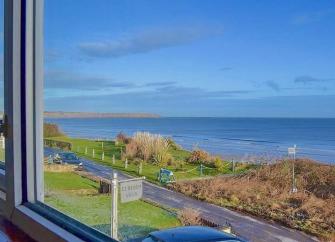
[[207, 100], [2, 139]]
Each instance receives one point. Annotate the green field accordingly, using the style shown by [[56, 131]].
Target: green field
[[77, 197], [188, 171], [2, 155]]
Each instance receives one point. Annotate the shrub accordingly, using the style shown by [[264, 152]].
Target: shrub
[[137, 161], [218, 163], [179, 165], [131, 150], [149, 147], [234, 199], [160, 150], [266, 192], [123, 138], [144, 142], [59, 144], [164, 159], [198, 156], [189, 217], [221, 165], [51, 130], [173, 144]]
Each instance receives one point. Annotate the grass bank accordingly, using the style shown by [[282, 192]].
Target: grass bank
[[265, 192], [2, 155], [183, 171], [77, 197]]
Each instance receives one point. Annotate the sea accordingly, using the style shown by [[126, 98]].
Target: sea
[[241, 139]]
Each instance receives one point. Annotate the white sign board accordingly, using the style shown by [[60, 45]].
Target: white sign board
[[291, 151], [131, 190]]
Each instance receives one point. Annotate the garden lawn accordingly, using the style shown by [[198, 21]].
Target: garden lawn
[[77, 197], [150, 171]]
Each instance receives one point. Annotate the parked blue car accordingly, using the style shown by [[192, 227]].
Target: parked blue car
[[67, 158], [190, 234]]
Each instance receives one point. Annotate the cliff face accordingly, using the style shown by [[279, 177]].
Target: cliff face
[[98, 115]]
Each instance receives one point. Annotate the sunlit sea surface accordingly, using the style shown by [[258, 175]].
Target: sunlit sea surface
[[251, 139]]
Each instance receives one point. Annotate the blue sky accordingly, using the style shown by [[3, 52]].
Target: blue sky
[[191, 57]]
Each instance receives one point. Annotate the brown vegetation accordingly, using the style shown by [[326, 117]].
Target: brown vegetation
[[51, 130], [266, 192], [188, 217], [198, 156], [59, 167], [161, 151], [149, 147], [173, 144], [123, 138], [192, 217]]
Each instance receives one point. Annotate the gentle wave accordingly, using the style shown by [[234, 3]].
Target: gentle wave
[[315, 138]]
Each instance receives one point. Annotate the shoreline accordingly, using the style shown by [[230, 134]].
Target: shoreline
[[251, 159], [240, 140], [89, 115]]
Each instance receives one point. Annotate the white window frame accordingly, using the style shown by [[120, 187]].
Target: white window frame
[[21, 183]]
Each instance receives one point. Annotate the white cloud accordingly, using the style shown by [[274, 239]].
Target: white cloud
[[146, 41], [64, 79], [306, 18], [309, 80]]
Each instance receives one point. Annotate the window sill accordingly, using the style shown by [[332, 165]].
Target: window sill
[[38, 227], [10, 232], [72, 226]]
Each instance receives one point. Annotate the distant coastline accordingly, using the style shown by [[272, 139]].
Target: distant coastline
[[98, 115]]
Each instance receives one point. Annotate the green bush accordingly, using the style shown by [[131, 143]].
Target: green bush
[[179, 165], [218, 162]]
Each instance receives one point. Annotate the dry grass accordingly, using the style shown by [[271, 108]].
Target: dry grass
[[189, 216], [198, 156], [51, 130], [266, 192], [148, 147], [59, 167], [123, 138]]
